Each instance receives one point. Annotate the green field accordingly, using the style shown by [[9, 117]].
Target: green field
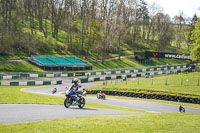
[[185, 84]]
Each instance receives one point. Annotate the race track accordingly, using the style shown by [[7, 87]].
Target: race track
[[16, 113], [135, 104]]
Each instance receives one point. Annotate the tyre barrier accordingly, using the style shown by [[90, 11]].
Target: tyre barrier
[[149, 96]]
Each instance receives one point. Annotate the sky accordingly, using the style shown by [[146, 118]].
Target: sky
[[173, 7]]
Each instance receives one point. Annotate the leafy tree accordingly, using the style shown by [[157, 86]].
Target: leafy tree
[[194, 19], [190, 29], [196, 41]]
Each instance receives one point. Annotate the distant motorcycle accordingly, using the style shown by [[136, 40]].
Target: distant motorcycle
[[101, 96], [73, 99], [54, 90]]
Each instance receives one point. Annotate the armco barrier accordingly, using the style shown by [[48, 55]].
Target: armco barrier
[[30, 83], [142, 74], [106, 72], [149, 96]]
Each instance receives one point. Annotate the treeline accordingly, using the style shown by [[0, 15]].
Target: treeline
[[91, 26]]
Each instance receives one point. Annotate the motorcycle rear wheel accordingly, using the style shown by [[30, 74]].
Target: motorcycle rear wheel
[[67, 102], [104, 97], [82, 103]]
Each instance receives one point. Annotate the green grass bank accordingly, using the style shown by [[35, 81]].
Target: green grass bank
[[148, 123], [184, 84]]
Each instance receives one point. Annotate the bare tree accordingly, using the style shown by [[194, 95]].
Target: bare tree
[[43, 14], [179, 22], [164, 31], [57, 14], [153, 10], [108, 9], [120, 24]]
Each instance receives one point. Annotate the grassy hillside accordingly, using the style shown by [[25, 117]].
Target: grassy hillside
[[26, 43], [24, 66], [36, 43], [131, 62]]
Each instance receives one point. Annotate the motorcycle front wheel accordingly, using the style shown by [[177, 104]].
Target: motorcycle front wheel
[[67, 102], [82, 103]]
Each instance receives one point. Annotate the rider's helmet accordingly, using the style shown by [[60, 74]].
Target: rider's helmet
[[75, 81]]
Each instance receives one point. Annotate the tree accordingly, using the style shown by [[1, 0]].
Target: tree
[[57, 14], [179, 22], [188, 32], [194, 19], [196, 41], [144, 17], [120, 25], [153, 10], [108, 11], [164, 31], [43, 13]]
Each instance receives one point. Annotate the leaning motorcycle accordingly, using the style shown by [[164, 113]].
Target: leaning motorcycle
[[73, 99], [101, 96]]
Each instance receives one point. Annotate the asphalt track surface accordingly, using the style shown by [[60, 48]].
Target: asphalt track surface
[[17, 113], [135, 104]]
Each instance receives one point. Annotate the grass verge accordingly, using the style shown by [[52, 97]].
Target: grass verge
[[186, 84], [148, 123]]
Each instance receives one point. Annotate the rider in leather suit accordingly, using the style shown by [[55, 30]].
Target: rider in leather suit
[[76, 86]]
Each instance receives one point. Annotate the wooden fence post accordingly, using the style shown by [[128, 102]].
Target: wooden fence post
[[166, 81], [182, 81]]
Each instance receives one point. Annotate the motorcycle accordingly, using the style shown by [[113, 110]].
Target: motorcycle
[[101, 96], [73, 99]]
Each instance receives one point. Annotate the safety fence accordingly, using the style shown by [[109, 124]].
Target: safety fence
[[144, 73], [107, 75], [23, 75], [30, 83]]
